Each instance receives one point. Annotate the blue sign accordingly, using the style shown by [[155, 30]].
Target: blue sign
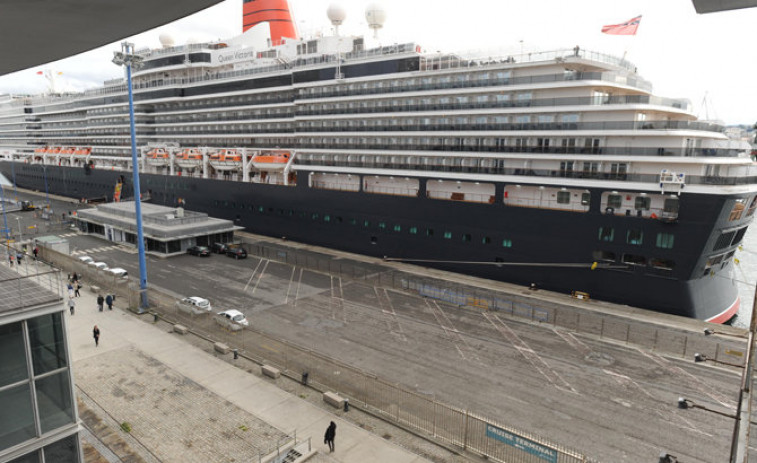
[[527, 445]]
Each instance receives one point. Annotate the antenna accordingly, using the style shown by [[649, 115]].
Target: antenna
[[336, 14], [375, 15]]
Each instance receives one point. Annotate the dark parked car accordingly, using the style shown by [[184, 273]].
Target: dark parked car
[[219, 248], [236, 253], [201, 251]]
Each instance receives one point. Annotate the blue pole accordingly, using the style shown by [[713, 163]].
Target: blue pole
[[137, 193], [47, 194], [5, 222], [13, 171]]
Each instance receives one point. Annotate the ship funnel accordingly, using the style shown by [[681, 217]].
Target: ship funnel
[[275, 12]]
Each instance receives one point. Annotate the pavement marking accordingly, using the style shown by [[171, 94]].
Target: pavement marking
[[453, 334], [391, 321], [297, 292], [289, 287], [260, 276], [253, 275], [701, 387], [337, 299], [541, 366]]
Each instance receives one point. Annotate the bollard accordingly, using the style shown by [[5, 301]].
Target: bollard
[[236, 354], [155, 317], [346, 405], [305, 375]]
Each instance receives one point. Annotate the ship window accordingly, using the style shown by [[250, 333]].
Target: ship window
[[642, 203], [353, 221], [261, 209], [739, 236], [563, 197], [413, 230], [665, 240], [327, 218], [663, 264], [634, 237], [507, 243], [486, 240], [606, 233], [447, 235], [398, 228], [737, 211], [382, 225], [466, 237], [634, 259], [366, 223], [614, 201], [429, 232], [585, 199], [724, 240], [314, 216], [752, 207], [604, 255], [671, 205]]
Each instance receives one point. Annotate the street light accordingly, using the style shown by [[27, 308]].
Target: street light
[[711, 331], [126, 57], [18, 219], [667, 458], [686, 404]]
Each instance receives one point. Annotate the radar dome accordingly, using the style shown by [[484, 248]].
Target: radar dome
[[336, 14], [166, 40], [375, 15]]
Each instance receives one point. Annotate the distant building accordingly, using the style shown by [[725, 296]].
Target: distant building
[[38, 413], [167, 230]]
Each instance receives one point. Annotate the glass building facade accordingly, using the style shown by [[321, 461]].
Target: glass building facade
[[38, 418]]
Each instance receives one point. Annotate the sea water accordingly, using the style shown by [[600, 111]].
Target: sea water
[[745, 274]]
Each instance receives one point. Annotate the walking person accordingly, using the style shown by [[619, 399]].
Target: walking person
[[100, 301], [70, 288], [77, 287], [109, 301], [36, 251], [96, 335], [71, 305], [330, 435], [10, 259]]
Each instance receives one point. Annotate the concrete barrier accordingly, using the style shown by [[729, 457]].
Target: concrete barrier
[[181, 329], [270, 371], [221, 347], [94, 289], [333, 399]]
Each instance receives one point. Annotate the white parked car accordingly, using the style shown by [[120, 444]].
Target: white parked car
[[86, 259], [118, 272], [99, 265], [194, 304], [232, 319]]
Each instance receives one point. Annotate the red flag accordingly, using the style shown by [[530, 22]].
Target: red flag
[[627, 28], [39, 73]]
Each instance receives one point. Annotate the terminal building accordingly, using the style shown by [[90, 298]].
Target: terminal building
[[167, 230], [38, 414]]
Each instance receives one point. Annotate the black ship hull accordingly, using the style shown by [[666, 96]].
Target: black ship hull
[[451, 231]]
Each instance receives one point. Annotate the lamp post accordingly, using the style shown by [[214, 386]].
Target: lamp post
[[126, 57], [18, 219]]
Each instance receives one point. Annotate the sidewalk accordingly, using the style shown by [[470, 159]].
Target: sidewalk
[[185, 405]]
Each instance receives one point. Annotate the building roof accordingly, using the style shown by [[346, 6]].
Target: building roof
[[36, 32], [159, 223], [22, 292]]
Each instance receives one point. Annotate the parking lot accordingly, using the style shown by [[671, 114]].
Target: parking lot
[[611, 401]]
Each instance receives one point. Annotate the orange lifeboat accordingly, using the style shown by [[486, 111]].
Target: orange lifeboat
[[157, 157], [226, 159], [53, 150], [68, 150], [82, 151], [189, 158], [271, 160]]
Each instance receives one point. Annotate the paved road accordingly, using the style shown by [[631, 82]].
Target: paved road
[[612, 402]]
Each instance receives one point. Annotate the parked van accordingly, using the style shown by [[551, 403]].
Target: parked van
[[232, 320], [194, 305]]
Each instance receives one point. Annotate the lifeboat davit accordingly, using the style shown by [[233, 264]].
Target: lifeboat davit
[[271, 160], [157, 157], [189, 158], [226, 159]]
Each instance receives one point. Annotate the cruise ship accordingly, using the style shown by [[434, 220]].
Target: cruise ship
[[558, 170]]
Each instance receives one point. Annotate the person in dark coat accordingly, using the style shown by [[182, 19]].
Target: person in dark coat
[[77, 287], [109, 301], [100, 300], [96, 335], [329, 437]]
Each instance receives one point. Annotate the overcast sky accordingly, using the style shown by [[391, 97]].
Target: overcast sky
[[683, 54]]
